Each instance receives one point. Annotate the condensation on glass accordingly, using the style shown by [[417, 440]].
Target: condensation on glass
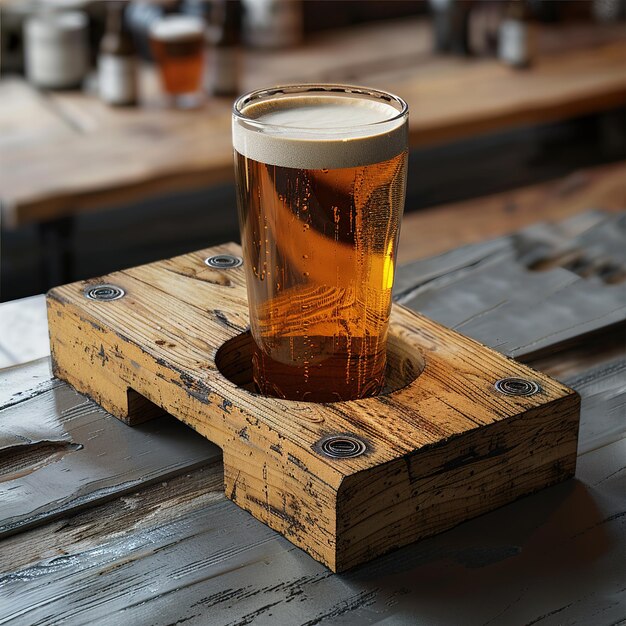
[[321, 177]]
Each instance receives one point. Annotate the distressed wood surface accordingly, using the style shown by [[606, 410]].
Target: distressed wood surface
[[556, 557], [13, 334], [526, 294], [112, 156], [60, 451], [183, 553], [17, 337], [440, 449]]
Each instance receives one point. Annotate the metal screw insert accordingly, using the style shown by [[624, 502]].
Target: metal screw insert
[[341, 446], [224, 261], [104, 292], [517, 387]]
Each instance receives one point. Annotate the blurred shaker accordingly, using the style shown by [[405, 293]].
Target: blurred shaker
[[56, 49], [515, 37], [451, 24], [273, 23], [117, 63], [225, 60]]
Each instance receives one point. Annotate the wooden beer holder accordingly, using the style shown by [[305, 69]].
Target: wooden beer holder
[[461, 430]]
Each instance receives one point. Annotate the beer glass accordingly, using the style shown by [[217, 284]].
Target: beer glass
[[321, 177], [177, 43]]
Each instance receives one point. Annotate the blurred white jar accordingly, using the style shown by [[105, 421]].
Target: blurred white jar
[[56, 49], [272, 23]]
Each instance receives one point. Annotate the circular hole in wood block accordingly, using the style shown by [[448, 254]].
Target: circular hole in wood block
[[404, 362]]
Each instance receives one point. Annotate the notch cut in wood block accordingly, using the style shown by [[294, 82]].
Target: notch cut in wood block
[[445, 447]]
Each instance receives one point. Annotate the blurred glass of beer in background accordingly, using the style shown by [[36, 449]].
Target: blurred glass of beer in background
[[321, 177], [178, 44]]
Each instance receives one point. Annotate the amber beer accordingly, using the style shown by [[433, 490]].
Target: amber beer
[[321, 176], [178, 43]]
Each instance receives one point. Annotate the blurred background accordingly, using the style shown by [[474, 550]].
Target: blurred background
[[115, 142]]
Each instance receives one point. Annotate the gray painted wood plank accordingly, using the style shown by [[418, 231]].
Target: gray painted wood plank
[[556, 557], [487, 291], [25, 381], [603, 407], [60, 451], [23, 331]]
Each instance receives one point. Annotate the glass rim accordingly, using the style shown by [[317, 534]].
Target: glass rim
[[320, 88]]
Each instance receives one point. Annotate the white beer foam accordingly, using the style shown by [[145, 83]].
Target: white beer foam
[[320, 131], [176, 27]]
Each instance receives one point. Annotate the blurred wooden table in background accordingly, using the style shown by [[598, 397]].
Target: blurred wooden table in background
[[66, 152]]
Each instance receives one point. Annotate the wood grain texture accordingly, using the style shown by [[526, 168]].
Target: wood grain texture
[[181, 553], [450, 434], [115, 156], [60, 452], [490, 293]]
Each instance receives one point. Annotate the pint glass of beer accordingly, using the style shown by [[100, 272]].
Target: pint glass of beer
[[321, 177], [178, 43]]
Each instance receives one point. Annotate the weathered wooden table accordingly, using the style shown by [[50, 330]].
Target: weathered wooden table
[[103, 524]]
